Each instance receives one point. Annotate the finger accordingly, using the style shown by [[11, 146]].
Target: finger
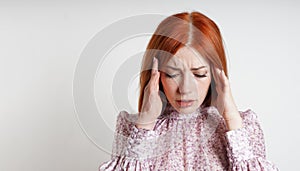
[[224, 79], [154, 80], [153, 71], [154, 65], [219, 80], [217, 74], [224, 82]]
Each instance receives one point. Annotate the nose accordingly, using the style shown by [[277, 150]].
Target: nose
[[186, 84]]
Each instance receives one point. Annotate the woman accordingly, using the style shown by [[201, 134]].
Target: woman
[[187, 117]]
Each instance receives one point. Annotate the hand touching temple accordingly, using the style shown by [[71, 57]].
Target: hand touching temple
[[187, 118]]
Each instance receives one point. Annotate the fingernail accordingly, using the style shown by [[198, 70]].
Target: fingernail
[[154, 59]]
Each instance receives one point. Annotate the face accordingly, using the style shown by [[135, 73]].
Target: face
[[186, 79]]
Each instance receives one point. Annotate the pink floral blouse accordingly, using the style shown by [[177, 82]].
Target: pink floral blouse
[[195, 141]]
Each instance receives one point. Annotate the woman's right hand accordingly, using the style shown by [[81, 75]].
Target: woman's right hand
[[152, 103]]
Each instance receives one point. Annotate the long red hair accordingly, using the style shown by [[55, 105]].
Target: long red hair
[[184, 29]]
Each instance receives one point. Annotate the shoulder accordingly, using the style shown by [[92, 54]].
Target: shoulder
[[249, 115], [125, 121], [125, 116], [251, 121]]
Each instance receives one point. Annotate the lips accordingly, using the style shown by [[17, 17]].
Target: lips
[[185, 103]]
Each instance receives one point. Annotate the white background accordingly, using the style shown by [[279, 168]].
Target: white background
[[40, 44]]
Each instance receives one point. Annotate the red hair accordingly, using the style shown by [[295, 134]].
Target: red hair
[[184, 29]]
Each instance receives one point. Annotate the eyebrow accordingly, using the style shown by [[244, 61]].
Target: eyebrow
[[194, 69]]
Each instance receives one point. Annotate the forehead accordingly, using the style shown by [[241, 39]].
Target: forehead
[[187, 57]]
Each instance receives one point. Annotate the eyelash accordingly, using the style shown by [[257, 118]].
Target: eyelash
[[197, 75]]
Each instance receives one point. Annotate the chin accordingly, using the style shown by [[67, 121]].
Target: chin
[[186, 110]]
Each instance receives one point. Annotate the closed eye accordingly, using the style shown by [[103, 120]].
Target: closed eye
[[171, 76], [175, 75], [200, 76]]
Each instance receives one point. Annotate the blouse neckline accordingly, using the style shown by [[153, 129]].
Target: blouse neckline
[[171, 112]]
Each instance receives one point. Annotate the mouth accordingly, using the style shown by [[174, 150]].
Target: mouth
[[185, 103]]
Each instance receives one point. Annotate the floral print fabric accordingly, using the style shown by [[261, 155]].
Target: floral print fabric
[[195, 141]]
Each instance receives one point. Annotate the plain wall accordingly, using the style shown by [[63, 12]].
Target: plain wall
[[41, 43]]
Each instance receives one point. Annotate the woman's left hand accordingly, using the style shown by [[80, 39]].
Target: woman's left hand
[[223, 100]]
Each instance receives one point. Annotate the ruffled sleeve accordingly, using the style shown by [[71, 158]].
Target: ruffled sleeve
[[246, 146], [132, 147]]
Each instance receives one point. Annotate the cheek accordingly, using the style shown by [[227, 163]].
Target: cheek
[[203, 86], [169, 86]]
